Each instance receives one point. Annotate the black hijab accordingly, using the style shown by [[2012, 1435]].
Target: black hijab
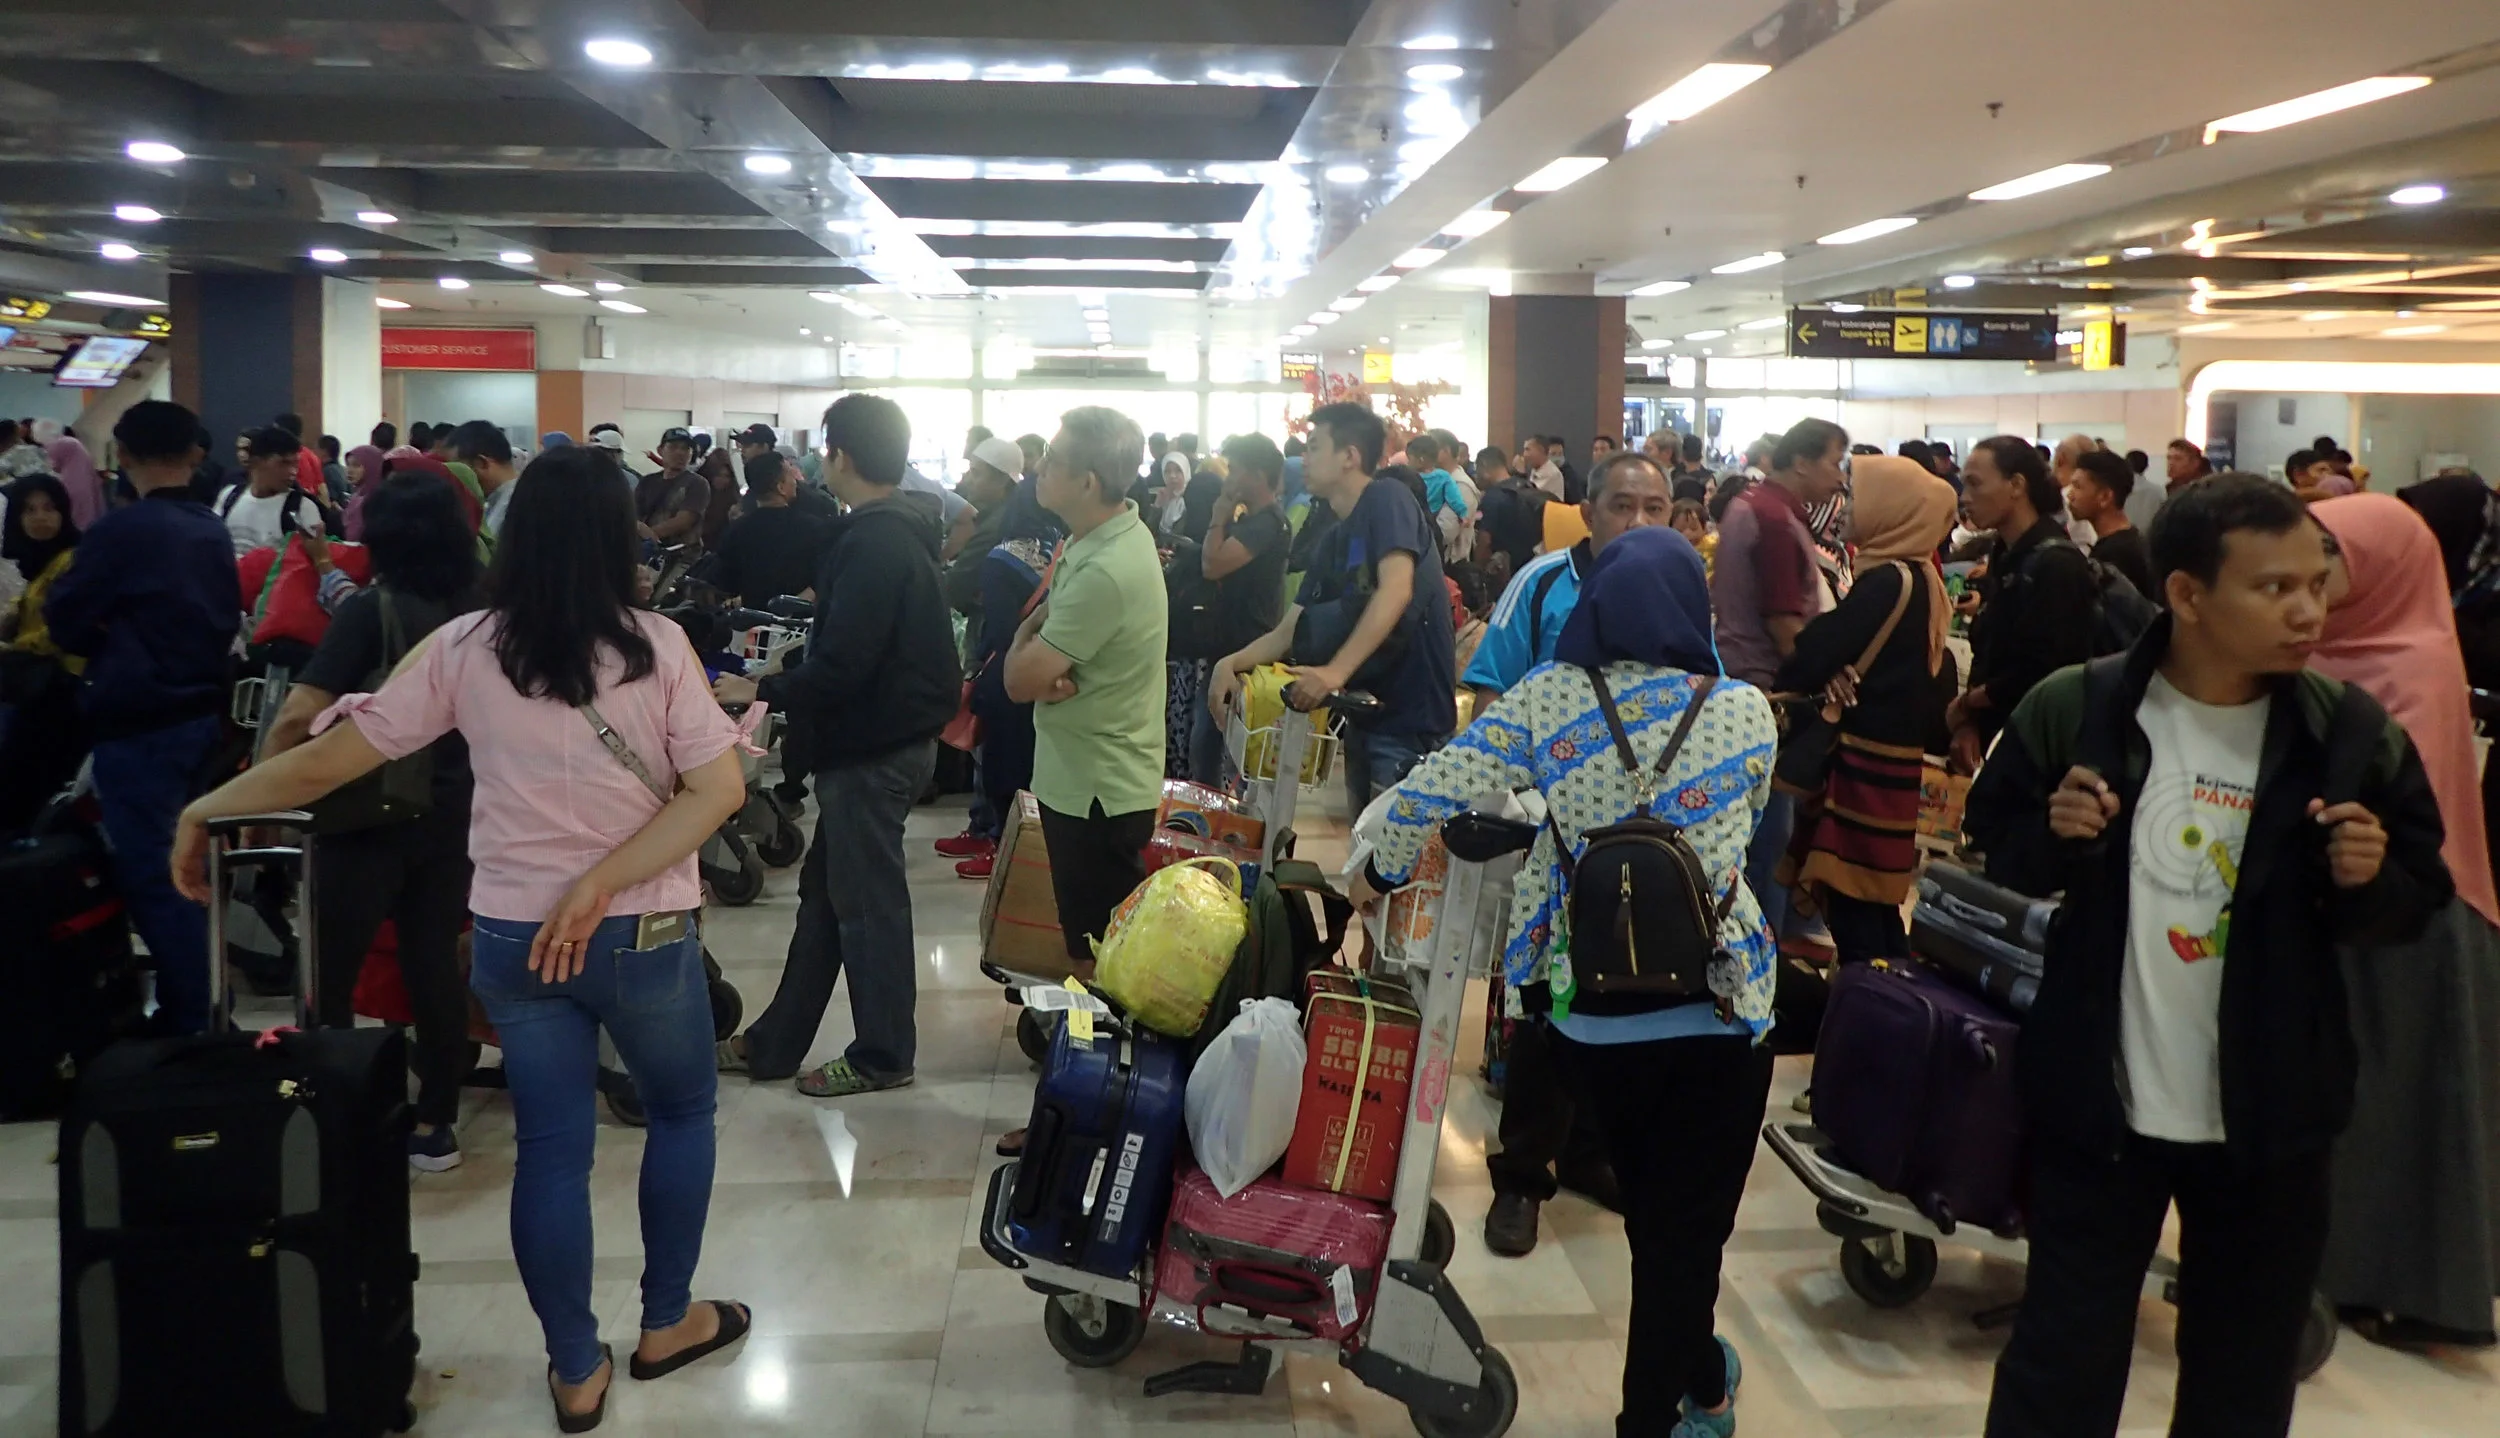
[[31, 555]]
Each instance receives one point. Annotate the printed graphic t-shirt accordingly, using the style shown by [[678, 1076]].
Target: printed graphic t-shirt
[[2189, 827]]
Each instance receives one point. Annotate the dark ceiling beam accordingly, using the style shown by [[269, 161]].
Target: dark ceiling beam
[[656, 243], [1083, 201], [1185, 22], [1073, 122], [1084, 280], [1078, 247], [416, 119], [730, 276]]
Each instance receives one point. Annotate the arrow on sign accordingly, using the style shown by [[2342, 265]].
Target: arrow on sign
[[1807, 332]]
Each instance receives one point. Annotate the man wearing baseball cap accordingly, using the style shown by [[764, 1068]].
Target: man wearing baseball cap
[[607, 436], [806, 496], [671, 503]]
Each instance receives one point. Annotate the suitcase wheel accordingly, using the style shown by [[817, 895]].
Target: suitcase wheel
[[1033, 1035], [1091, 1332], [2317, 1336], [1440, 1236], [1489, 1416], [1888, 1272]]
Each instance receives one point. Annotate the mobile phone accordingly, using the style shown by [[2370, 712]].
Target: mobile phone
[[660, 928]]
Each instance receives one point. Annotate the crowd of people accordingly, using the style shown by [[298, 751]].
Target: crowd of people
[[2163, 692]]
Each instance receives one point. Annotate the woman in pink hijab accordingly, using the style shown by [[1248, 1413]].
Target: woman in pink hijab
[[2413, 1255], [76, 470]]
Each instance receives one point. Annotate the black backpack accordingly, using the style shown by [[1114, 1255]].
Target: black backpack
[[2123, 613], [1643, 926]]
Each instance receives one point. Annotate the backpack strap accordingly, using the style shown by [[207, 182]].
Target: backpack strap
[[1644, 778], [1536, 608]]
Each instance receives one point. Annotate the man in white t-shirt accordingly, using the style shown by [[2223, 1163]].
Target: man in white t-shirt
[[258, 510], [2220, 821]]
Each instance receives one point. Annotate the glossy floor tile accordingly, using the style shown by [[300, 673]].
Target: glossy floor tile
[[852, 1229]]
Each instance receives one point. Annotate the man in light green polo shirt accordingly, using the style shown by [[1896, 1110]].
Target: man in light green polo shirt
[[1090, 661]]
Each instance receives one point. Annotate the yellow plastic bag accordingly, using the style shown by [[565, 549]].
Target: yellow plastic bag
[[1171, 942], [1263, 707]]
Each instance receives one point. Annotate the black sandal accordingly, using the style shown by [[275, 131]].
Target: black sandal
[[735, 1320], [583, 1422]]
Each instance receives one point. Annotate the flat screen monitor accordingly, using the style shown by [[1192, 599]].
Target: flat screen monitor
[[98, 362]]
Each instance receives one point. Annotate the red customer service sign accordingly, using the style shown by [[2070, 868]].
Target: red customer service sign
[[459, 349]]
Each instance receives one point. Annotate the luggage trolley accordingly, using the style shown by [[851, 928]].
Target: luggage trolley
[[1419, 1344]]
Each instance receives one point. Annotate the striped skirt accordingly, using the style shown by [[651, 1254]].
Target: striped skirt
[[1860, 837]]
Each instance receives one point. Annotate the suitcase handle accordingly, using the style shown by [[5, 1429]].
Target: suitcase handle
[[1252, 1285], [1034, 1182], [1969, 913], [224, 849]]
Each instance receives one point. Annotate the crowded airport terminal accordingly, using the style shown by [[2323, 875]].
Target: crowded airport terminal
[[1552, 709]]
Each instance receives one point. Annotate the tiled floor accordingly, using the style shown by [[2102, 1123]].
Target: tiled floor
[[851, 1229]]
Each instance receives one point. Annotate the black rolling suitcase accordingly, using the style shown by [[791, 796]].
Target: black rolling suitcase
[[1982, 935], [235, 1255], [65, 962]]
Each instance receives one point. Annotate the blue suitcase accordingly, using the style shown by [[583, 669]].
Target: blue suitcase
[[1096, 1174]]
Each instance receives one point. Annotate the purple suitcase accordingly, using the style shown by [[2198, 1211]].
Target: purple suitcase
[[1914, 1084]]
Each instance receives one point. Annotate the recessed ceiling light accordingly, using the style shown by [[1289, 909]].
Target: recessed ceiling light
[[111, 297], [1690, 96], [153, 152], [137, 214], [2402, 330], [116, 250], [516, 257], [377, 217], [1769, 324], [386, 302], [1346, 304], [2208, 327], [1305, 331], [2136, 252], [1843, 307], [1554, 174], [1098, 314], [606, 287], [570, 292], [767, 164], [805, 330], [1376, 284], [1323, 317], [1960, 282], [617, 52], [1749, 263], [1656, 344], [1416, 259], [2315, 317], [1706, 335], [2418, 195], [1434, 74], [2038, 180], [452, 282], [1433, 42], [2310, 107], [1662, 287], [1476, 222], [327, 256], [1345, 174], [1867, 231], [624, 307]]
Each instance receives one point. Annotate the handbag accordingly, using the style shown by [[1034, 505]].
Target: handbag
[[401, 789], [1810, 728], [964, 730]]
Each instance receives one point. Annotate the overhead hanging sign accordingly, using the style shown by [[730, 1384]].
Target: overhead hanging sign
[[2104, 344], [468, 349], [1377, 368], [1296, 367], [1921, 334]]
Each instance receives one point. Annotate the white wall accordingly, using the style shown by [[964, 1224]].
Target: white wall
[[2398, 430], [31, 394], [510, 400], [2264, 441], [351, 360]]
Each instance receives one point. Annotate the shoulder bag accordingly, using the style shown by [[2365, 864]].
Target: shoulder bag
[[1811, 722], [403, 788]]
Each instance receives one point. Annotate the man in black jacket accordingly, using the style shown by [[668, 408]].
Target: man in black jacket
[[878, 683], [2219, 820], [2039, 599]]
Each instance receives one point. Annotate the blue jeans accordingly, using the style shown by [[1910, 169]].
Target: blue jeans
[[141, 784], [1375, 762], [1762, 859], [1206, 747], [855, 917], [655, 1004]]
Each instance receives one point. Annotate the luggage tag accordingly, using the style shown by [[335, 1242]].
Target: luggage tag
[[1080, 1018], [1341, 1287]]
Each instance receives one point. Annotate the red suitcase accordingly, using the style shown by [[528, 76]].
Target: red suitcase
[[1272, 1261]]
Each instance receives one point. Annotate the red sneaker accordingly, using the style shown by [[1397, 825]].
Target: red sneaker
[[976, 867], [967, 845]]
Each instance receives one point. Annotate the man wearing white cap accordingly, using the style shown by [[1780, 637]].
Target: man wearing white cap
[[994, 470], [610, 438]]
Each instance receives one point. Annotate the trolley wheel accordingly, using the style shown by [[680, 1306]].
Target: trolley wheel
[[1091, 1332], [783, 846], [1033, 1035], [727, 1007], [1497, 1403], [626, 1103], [406, 1418], [1440, 1236], [2317, 1336], [737, 887], [1873, 1274]]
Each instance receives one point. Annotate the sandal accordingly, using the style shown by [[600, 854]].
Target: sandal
[[727, 1058], [735, 1319], [1011, 1144], [568, 1422]]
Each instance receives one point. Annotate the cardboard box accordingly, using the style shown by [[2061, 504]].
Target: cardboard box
[[1207, 813], [1341, 1142], [1412, 912], [1171, 846], [1020, 912], [1941, 797]]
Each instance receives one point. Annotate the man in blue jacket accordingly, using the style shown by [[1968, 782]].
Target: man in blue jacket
[[153, 603]]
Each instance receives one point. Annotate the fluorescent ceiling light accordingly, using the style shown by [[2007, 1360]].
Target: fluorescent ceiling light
[[116, 250], [2136, 252], [606, 287], [1843, 307], [1707, 335], [1554, 174], [1098, 313], [1323, 317], [386, 302], [1476, 222], [767, 164], [1662, 287], [137, 214], [377, 217], [111, 297], [2208, 327], [805, 330], [1769, 324], [325, 255], [1418, 258], [570, 292], [452, 282], [616, 52], [624, 307], [1690, 96], [1433, 42], [1346, 304], [1487, 279], [2418, 195], [2403, 330], [1656, 344], [1960, 282], [2315, 317], [2310, 107], [1376, 284], [1345, 174], [516, 257], [1305, 331], [153, 152], [826, 296], [1749, 263], [1867, 231], [2038, 180], [1434, 74]]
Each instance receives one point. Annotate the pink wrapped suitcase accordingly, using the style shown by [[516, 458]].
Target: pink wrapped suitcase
[[1272, 1261]]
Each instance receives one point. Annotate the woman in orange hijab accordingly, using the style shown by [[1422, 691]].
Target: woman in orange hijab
[[2413, 1255]]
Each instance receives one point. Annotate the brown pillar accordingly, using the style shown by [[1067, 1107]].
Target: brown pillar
[[1555, 367], [246, 348]]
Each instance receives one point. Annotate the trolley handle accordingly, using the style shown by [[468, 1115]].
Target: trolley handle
[[224, 838]]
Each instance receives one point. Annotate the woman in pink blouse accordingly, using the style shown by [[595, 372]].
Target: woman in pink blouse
[[580, 711]]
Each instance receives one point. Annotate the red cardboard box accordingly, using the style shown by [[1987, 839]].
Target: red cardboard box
[[1208, 814], [1346, 1134]]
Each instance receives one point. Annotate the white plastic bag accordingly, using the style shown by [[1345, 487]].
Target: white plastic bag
[[1244, 1093]]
